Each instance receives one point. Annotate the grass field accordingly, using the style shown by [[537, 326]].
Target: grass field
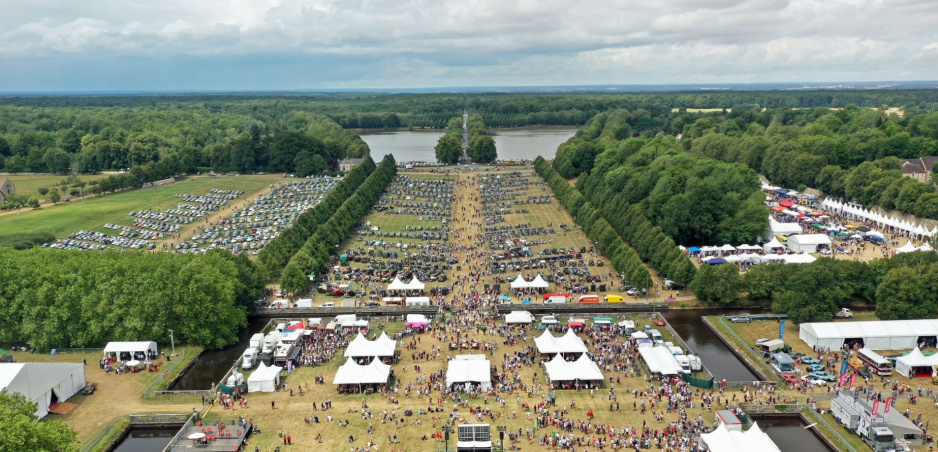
[[92, 213], [29, 185]]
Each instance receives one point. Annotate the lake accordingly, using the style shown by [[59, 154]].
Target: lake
[[511, 144]]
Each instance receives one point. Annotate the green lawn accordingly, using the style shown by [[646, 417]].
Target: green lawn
[[29, 185], [91, 214]]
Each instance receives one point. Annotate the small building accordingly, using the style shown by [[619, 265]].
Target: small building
[[473, 438], [6, 190], [729, 419], [919, 169], [345, 165], [808, 243]]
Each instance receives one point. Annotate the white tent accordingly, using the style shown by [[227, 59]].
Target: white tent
[[723, 440], [568, 343], [43, 383], [351, 373], [132, 348], [660, 360], [264, 379], [415, 284], [519, 317], [519, 283], [925, 247], [876, 334], [397, 284], [803, 258], [469, 369], [907, 248], [808, 243], [583, 369], [772, 245], [905, 365], [361, 347], [417, 301], [539, 283]]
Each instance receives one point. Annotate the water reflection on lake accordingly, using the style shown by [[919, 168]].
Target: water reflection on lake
[[511, 144]]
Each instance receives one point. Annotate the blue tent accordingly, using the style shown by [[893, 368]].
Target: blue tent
[[716, 261], [693, 249]]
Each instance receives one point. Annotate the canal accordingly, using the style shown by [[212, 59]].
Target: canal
[[718, 358], [789, 434], [214, 364], [511, 144], [146, 439]]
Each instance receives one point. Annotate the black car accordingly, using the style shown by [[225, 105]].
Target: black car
[[373, 303], [864, 372]]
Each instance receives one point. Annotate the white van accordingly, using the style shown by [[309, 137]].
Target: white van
[[249, 359], [328, 304], [655, 336], [257, 341]]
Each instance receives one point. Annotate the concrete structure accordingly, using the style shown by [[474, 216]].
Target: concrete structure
[[345, 165], [6, 189]]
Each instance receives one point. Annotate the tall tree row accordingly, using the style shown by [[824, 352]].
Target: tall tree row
[[481, 147], [624, 259], [280, 250], [314, 256], [56, 299]]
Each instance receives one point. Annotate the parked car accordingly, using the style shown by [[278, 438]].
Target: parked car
[[816, 368], [810, 360], [823, 376], [814, 380], [790, 378], [844, 314], [864, 372], [741, 319]]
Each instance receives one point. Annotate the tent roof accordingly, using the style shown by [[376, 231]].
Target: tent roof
[[519, 283], [466, 368], [724, 440], [568, 343], [660, 360], [353, 373], [415, 284], [35, 379], [138, 346], [558, 369], [539, 282], [361, 346], [519, 317], [873, 328], [810, 239], [774, 243], [397, 284], [915, 358], [264, 373]]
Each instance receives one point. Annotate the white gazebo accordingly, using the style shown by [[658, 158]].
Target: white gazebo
[[352, 373], [582, 369], [519, 283], [264, 378], [361, 347], [469, 369]]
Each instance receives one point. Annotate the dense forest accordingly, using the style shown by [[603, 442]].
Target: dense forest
[[54, 298]]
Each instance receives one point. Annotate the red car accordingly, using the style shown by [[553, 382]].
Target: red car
[[789, 378]]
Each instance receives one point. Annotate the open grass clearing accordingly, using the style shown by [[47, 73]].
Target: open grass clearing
[[92, 213]]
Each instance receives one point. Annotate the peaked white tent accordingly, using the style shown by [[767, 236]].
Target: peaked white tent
[[915, 364], [43, 383], [568, 343], [724, 440], [361, 347], [352, 373], [803, 258], [415, 284], [519, 283], [774, 244], [583, 369], [907, 248], [539, 283], [264, 379], [519, 317], [397, 284], [469, 369]]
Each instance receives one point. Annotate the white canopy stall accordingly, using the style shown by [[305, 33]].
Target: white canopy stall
[[264, 379], [583, 369], [916, 365], [124, 351], [568, 343], [361, 347], [519, 283], [539, 283], [724, 440], [774, 244], [352, 373], [660, 360], [397, 284], [43, 383], [469, 369], [519, 317]]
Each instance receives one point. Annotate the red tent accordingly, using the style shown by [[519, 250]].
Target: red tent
[[786, 204]]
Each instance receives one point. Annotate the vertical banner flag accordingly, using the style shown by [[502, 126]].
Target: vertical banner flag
[[853, 381], [875, 408], [781, 330], [843, 380], [843, 367], [888, 404]]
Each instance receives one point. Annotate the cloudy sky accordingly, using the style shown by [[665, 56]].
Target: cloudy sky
[[94, 45]]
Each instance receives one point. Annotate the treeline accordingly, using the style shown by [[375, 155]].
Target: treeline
[[185, 137], [314, 256], [901, 287], [693, 199], [851, 154], [448, 148], [624, 259], [481, 146], [56, 299], [280, 250]]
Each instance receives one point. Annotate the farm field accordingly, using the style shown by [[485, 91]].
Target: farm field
[[29, 185], [92, 213]]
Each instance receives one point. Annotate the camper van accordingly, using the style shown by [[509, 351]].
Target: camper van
[[614, 299], [249, 359], [684, 362], [588, 299], [270, 341], [282, 353], [257, 341], [655, 336], [695, 364], [552, 298]]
